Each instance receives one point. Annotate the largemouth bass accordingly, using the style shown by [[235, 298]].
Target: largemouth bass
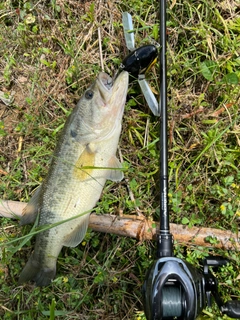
[[85, 157]]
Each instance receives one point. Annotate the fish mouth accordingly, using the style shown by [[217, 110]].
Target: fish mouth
[[111, 98], [105, 80], [109, 88]]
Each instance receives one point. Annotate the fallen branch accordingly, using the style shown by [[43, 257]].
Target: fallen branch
[[142, 229]]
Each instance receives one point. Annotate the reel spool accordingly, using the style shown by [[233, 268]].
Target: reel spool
[[173, 301]]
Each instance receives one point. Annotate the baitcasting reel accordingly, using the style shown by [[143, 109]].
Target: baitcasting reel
[[174, 289]]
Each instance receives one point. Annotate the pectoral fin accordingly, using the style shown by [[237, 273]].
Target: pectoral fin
[[115, 174], [31, 210], [78, 233], [84, 165]]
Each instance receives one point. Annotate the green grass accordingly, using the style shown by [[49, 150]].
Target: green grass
[[49, 54]]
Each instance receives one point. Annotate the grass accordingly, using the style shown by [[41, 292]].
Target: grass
[[49, 54]]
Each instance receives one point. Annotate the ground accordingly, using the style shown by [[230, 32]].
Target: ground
[[49, 54]]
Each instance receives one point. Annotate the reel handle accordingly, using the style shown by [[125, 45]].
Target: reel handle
[[232, 309]]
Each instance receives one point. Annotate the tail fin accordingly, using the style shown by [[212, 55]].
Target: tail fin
[[37, 272]]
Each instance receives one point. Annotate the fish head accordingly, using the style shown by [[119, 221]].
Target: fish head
[[100, 110]]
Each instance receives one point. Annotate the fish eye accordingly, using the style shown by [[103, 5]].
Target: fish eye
[[89, 94]]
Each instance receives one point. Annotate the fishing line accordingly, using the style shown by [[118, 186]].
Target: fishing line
[[172, 301]]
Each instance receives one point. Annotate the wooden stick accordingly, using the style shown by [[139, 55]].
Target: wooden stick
[[142, 229]]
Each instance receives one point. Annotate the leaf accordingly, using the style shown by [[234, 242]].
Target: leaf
[[56, 313], [29, 19], [185, 220], [231, 78], [45, 62], [208, 68], [155, 32], [154, 225]]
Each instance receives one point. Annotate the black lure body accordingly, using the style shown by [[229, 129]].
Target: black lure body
[[140, 60]]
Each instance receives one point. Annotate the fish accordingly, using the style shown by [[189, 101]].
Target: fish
[[84, 158]]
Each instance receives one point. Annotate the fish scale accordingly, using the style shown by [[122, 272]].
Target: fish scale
[[85, 157]]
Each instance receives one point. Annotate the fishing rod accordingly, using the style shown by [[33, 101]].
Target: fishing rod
[[173, 288]]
